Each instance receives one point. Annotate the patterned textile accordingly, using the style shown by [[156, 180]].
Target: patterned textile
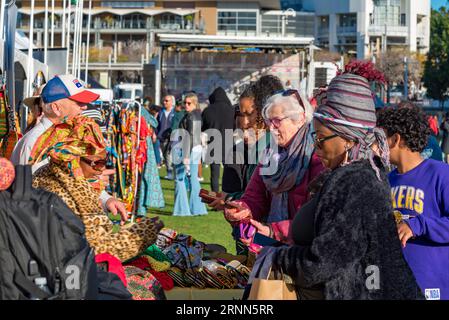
[[67, 142], [185, 252], [143, 285], [150, 190], [348, 109], [165, 238], [7, 174], [156, 253], [84, 201]]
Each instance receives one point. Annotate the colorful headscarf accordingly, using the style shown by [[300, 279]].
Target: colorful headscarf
[[67, 142], [347, 108]]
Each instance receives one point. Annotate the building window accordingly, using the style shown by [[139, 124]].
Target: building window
[[237, 21], [348, 20], [388, 12], [128, 4]]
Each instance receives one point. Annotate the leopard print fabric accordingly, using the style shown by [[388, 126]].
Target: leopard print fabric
[[85, 203]]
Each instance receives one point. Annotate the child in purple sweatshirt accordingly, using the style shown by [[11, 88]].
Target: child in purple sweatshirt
[[420, 195]]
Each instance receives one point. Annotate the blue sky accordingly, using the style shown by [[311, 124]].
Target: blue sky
[[438, 3]]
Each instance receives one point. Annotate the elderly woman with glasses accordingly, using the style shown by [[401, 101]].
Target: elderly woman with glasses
[[77, 154], [278, 187], [346, 242]]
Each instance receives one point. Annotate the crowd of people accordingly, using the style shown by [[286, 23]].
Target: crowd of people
[[353, 188]]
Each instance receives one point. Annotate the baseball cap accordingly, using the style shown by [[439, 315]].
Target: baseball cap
[[67, 86]]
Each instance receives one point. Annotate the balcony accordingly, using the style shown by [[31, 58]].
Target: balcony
[[123, 26], [346, 30]]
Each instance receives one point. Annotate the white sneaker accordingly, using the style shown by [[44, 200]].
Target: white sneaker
[[168, 177], [201, 179]]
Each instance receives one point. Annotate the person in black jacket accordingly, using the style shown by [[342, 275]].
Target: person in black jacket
[[218, 115], [346, 244], [445, 143], [187, 156]]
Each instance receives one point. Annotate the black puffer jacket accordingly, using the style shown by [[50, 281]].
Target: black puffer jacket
[[191, 122], [219, 115], [354, 234]]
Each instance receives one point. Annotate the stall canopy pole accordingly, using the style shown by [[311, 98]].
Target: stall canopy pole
[[2, 18], [52, 23], [46, 33], [75, 38], [63, 24], [68, 36], [80, 38], [30, 54], [89, 18]]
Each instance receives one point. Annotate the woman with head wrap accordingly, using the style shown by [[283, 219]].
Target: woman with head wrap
[[77, 154], [346, 242]]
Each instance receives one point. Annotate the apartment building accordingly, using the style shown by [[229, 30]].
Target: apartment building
[[366, 27]]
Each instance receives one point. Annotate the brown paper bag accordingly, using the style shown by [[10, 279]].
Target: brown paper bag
[[265, 289]]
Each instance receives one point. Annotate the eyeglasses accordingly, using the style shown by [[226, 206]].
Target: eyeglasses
[[320, 141], [275, 122], [96, 164]]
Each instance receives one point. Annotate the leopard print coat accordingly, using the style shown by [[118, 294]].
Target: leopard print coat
[[85, 203]]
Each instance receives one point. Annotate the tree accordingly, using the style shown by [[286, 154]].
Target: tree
[[436, 71], [392, 65]]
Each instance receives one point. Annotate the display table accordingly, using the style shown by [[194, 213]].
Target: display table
[[204, 294]]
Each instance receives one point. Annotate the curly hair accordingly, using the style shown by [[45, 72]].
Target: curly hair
[[410, 123], [249, 92], [264, 88]]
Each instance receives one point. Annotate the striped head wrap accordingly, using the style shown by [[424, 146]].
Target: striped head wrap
[[347, 108]]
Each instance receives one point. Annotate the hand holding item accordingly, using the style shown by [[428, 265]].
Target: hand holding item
[[116, 207], [405, 233], [219, 203], [236, 211], [261, 228]]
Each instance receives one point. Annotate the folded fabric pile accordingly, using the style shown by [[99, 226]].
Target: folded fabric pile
[[199, 265]]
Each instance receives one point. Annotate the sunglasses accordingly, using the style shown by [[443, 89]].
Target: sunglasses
[[291, 92], [319, 142], [96, 164]]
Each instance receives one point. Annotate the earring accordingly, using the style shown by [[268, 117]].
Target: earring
[[346, 160]]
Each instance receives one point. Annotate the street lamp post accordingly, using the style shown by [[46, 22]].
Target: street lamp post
[[406, 78]]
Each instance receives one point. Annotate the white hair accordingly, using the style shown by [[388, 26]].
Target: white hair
[[291, 107]]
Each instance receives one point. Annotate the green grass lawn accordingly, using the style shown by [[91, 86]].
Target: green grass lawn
[[212, 228]]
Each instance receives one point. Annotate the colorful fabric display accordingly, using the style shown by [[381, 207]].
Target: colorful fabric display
[[185, 253], [165, 238], [156, 253], [159, 266], [143, 285], [179, 277], [165, 280]]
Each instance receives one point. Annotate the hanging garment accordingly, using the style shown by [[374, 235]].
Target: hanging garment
[[150, 190]]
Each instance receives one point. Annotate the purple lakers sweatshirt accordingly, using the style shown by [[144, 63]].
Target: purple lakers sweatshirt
[[421, 196]]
